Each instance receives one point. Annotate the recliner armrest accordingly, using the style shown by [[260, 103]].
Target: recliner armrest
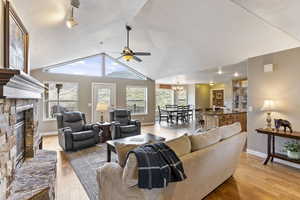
[[65, 138], [115, 123], [94, 127], [134, 122], [115, 130], [137, 123]]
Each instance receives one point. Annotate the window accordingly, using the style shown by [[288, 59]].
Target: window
[[60, 97], [101, 65], [136, 99], [90, 66], [182, 97], [164, 97], [116, 69]]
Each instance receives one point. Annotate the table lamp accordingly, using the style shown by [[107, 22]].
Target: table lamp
[[102, 107], [269, 107]]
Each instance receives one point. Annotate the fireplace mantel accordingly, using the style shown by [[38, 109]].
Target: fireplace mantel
[[15, 84]]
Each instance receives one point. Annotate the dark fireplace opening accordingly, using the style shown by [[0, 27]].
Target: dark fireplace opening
[[20, 138]]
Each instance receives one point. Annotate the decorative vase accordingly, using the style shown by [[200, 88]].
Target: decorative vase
[[293, 155]]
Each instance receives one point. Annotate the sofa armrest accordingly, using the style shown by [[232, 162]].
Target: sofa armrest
[[65, 138], [109, 177]]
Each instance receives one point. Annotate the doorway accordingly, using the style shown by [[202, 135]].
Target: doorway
[[105, 94]]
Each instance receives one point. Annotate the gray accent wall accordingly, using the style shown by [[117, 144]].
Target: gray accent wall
[[282, 86], [85, 95]]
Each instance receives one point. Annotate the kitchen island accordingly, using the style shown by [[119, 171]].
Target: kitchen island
[[221, 118]]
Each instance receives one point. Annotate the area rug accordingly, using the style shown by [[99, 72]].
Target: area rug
[[85, 162]]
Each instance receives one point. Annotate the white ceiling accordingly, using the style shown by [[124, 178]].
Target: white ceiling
[[183, 36], [209, 75]]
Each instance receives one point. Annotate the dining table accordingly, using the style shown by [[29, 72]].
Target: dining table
[[173, 112]]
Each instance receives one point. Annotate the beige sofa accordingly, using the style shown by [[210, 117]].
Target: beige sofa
[[206, 169]]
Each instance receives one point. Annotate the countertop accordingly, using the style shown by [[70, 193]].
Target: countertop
[[227, 112]]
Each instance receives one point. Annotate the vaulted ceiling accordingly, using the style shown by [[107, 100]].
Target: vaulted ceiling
[[183, 36]]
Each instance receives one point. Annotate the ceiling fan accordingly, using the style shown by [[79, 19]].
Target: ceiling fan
[[129, 54]]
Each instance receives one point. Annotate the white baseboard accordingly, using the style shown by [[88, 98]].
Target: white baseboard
[[148, 124], [51, 133], [263, 155]]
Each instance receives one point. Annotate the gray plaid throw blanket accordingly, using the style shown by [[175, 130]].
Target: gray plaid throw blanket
[[158, 165]]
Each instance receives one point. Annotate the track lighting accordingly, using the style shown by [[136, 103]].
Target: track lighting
[[71, 22]]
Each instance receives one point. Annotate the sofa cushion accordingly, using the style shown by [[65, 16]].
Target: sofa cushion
[[230, 130], [122, 150], [181, 145], [205, 139], [130, 173], [128, 128], [83, 135]]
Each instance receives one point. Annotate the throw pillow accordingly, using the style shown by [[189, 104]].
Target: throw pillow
[[181, 145], [122, 150], [230, 130], [203, 140]]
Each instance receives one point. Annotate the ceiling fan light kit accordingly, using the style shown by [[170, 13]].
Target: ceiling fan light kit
[[127, 54]]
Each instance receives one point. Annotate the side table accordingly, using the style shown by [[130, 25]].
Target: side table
[[272, 133], [106, 134]]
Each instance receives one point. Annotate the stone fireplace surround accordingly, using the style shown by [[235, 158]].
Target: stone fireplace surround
[[20, 92]]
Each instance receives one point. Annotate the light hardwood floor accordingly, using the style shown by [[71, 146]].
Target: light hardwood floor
[[252, 180]]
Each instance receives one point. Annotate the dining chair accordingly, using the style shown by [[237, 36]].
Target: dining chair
[[172, 111], [182, 114], [162, 115]]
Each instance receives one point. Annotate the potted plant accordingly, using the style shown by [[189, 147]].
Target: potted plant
[[292, 149]]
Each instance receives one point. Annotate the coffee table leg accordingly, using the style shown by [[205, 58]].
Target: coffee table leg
[[108, 153]]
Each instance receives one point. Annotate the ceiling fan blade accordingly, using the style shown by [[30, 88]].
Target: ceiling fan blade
[[137, 59], [142, 53]]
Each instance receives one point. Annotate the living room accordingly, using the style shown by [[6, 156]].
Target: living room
[[149, 100]]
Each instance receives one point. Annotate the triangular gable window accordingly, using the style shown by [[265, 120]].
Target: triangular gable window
[[101, 65]]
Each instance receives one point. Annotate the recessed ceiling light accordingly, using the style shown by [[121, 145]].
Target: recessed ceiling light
[[220, 71], [236, 74]]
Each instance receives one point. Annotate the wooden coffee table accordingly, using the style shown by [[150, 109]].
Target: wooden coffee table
[[138, 139]]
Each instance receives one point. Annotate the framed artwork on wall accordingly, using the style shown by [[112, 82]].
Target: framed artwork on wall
[[16, 39]]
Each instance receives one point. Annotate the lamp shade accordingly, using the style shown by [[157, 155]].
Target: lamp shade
[[268, 105], [101, 107]]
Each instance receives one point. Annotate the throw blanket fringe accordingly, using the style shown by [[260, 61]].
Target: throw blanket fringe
[[158, 165]]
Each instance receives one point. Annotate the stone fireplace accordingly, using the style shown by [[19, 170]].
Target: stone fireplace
[[19, 138]]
